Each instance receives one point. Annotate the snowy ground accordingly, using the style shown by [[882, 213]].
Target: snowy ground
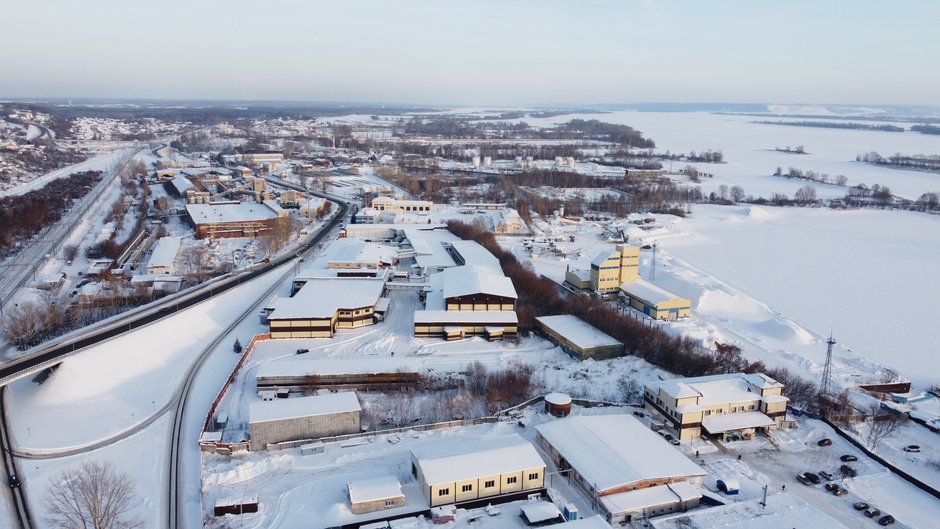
[[748, 149]]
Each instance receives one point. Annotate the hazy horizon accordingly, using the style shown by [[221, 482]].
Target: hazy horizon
[[530, 53]]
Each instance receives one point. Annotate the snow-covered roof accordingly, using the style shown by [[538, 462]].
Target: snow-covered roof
[[181, 183], [782, 511], [558, 399], [164, 252], [540, 511], [603, 257], [356, 251], [229, 212], [321, 299], [612, 451], [650, 497], [448, 461], [334, 366], [648, 292], [475, 255], [315, 272], [292, 408], [457, 317], [719, 389], [469, 280], [731, 422], [577, 331], [429, 250], [374, 489]]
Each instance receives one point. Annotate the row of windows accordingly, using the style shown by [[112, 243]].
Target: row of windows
[[487, 484]]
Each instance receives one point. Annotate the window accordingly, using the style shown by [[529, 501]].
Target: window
[[510, 481], [490, 483], [534, 475], [466, 488], [389, 503], [443, 492]]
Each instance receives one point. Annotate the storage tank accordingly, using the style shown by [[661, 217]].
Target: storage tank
[[558, 404]]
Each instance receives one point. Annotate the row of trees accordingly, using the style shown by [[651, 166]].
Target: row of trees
[[24, 216], [822, 178], [539, 296]]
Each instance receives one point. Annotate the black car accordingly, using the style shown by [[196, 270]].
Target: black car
[[886, 520], [832, 487], [13, 481], [824, 442], [860, 506], [871, 513], [810, 477], [848, 457]]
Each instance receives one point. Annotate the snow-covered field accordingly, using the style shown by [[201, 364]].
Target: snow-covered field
[[750, 158]]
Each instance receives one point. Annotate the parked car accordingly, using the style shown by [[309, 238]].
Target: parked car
[[840, 491], [860, 506], [871, 513], [886, 520], [827, 475], [13, 481], [302, 351], [912, 448], [808, 478], [675, 442], [848, 471], [832, 487], [668, 437], [824, 442], [848, 457]]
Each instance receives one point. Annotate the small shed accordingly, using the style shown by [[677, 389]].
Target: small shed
[[375, 494], [558, 404], [541, 513]]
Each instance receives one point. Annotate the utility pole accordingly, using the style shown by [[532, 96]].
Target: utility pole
[[827, 370]]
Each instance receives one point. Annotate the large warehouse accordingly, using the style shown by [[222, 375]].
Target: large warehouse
[[300, 418], [462, 471], [577, 338], [319, 307], [622, 463], [233, 219], [718, 405]]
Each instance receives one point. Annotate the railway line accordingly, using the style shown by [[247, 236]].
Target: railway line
[[64, 347]]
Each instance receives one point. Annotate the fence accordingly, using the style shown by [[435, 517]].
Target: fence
[[231, 378]]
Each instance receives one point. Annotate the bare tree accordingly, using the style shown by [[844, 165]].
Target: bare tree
[[737, 193], [94, 495], [805, 194], [476, 377], [882, 423]]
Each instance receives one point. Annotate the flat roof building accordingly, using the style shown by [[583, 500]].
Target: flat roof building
[[233, 219], [718, 405], [163, 258], [299, 418], [577, 338], [375, 494], [655, 302], [401, 206], [609, 455], [461, 471], [610, 269], [319, 307]]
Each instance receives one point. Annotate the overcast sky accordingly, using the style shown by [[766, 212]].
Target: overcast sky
[[476, 51]]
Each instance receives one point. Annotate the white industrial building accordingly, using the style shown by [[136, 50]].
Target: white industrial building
[[455, 472], [299, 418], [622, 464], [375, 494], [163, 258], [321, 305]]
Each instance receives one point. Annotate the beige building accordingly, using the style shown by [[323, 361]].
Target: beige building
[[578, 338], [469, 470], [718, 405], [295, 419], [375, 494], [621, 464], [321, 306], [655, 302], [610, 270]]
